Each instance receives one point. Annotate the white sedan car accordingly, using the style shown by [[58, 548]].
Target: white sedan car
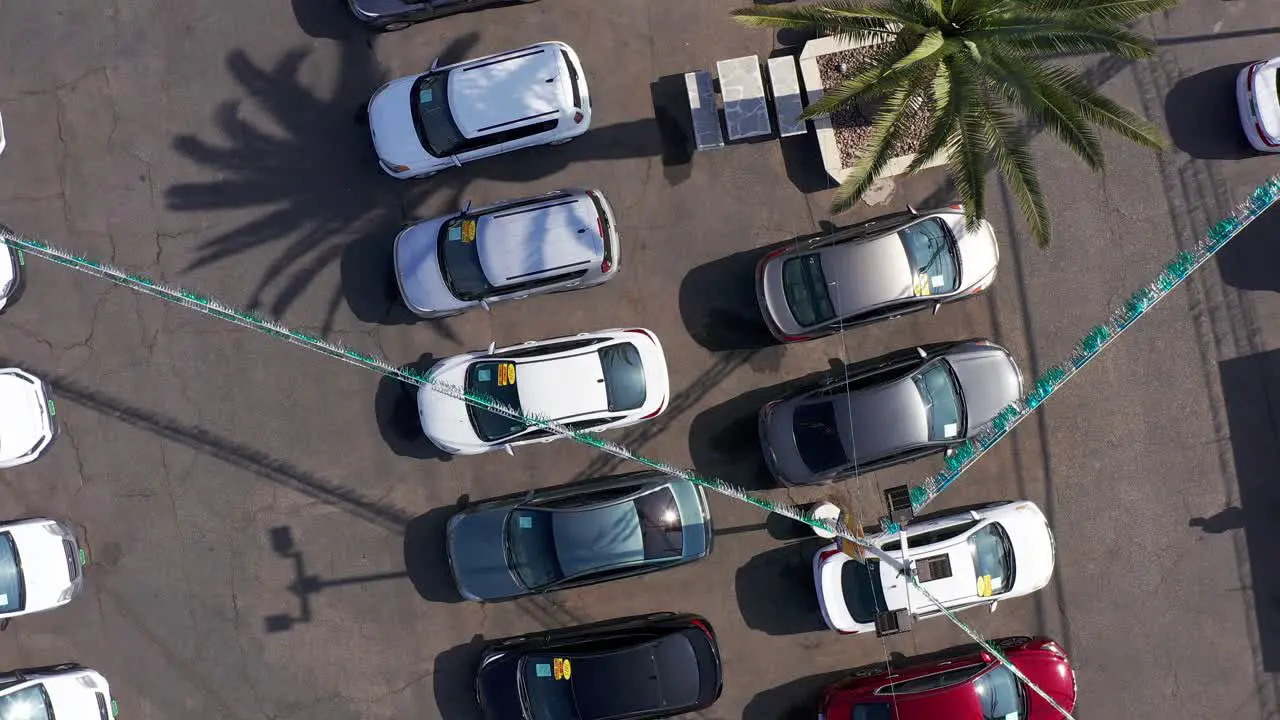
[[979, 557], [1258, 95], [26, 417], [10, 275], [451, 115], [41, 566], [590, 381], [63, 692]]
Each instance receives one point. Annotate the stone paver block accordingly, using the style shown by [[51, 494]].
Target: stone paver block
[[746, 111], [787, 101], [702, 104]]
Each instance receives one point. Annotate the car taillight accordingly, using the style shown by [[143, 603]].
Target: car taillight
[[643, 332], [606, 266], [956, 206], [774, 254], [1263, 135], [657, 412], [822, 557], [1054, 648], [704, 628], [795, 338]]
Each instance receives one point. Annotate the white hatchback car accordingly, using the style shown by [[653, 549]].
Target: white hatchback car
[[590, 381], [26, 417], [979, 557], [63, 692], [1258, 96], [41, 566], [451, 115], [10, 276]]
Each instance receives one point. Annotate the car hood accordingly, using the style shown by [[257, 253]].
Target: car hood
[[478, 556], [498, 686], [24, 414], [391, 124], [71, 700], [979, 253], [418, 269], [45, 573], [444, 419], [8, 273], [990, 380]]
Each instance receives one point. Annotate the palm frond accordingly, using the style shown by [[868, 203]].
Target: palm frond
[[834, 17], [1040, 35], [1116, 11], [948, 96], [928, 46], [1013, 159], [1105, 112], [884, 73], [887, 128], [1041, 91], [967, 160]]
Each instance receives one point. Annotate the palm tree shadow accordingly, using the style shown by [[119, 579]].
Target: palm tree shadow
[[311, 170]]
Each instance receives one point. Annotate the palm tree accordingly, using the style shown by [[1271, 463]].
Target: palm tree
[[971, 66]]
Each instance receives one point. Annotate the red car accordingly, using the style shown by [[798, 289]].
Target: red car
[[967, 683]]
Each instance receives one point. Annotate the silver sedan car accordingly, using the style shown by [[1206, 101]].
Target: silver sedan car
[[875, 270]]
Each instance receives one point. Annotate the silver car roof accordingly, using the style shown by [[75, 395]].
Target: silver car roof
[[530, 242]]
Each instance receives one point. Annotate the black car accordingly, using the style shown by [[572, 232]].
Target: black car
[[887, 411], [643, 667], [578, 535], [389, 15]]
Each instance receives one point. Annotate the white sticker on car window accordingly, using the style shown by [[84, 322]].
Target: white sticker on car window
[[4, 599], [484, 374], [1012, 716], [526, 521], [936, 280], [950, 430]]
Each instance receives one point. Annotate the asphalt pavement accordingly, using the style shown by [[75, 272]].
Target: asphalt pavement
[[264, 522]]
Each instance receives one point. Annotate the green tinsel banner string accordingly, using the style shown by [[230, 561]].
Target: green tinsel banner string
[[222, 311], [1171, 276]]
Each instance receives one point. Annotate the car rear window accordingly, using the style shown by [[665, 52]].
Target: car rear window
[[934, 268], [573, 80], [805, 288], [941, 398], [623, 376], [660, 527], [863, 594], [11, 585], [495, 380], [1001, 696], [460, 260], [817, 438]]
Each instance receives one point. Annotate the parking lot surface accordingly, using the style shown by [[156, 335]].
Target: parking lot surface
[[265, 523]]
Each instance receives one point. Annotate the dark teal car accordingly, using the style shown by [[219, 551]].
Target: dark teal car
[[583, 534]]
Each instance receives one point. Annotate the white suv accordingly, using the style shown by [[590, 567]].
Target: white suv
[[589, 381], [41, 566], [448, 116], [26, 418], [64, 692]]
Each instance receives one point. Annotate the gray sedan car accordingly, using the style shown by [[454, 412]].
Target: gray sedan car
[[562, 240], [875, 270], [580, 535], [391, 15], [887, 411]]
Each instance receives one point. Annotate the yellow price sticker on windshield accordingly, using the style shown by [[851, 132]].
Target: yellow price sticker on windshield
[[562, 668], [468, 231], [922, 285], [506, 374], [984, 586]]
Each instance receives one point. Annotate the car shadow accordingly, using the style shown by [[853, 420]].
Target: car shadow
[[724, 440], [718, 302], [395, 408], [425, 557], [1249, 262], [327, 20], [453, 679], [795, 700], [1203, 118], [675, 127], [775, 590]]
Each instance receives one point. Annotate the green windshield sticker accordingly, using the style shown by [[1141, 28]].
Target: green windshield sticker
[[526, 521], [455, 232], [425, 95], [543, 669], [484, 374]]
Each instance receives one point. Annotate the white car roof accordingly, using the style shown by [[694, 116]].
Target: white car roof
[[563, 387], [508, 90], [530, 242]]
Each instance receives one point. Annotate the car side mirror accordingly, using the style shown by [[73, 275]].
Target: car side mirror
[[434, 64], [492, 344], [936, 307], [986, 656], [466, 206], [510, 451], [456, 161], [993, 607], [912, 209], [921, 352], [484, 304]]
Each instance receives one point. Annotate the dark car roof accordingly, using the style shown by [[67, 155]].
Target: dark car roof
[[656, 675]]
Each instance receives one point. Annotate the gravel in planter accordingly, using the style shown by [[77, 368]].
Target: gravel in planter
[[853, 122]]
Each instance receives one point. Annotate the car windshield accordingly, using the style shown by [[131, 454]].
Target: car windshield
[[941, 399], [497, 381], [545, 693], [460, 260], [11, 584], [992, 560], [816, 436], [806, 290], [531, 545], [934, 270], [660, 527], [432, 117], [1000, 695], [29, 703], [863, 593], [872, 711], [623, 377]]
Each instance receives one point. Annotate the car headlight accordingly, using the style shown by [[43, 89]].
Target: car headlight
[[66, 597], [54, 528], [1054, 648], [8, 286], [88, 681]]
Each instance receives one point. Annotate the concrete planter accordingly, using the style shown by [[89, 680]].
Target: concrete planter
[[826, 132]]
